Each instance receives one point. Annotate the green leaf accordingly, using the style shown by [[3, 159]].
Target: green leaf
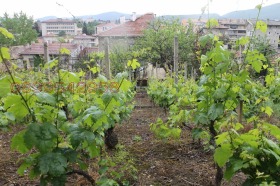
[[64, 51], [5, 53], [15, 105], [243, 41], [222, 138], [44, 97], [95, 70], [216, 110], [268, 110], [133, 64], [18, 142], [206, 39], [262, 26], [53, 164], [6, 33], [259, 7], [51, 64], [6, 85], [93, 150], [211, 23], [42, 136], [125, 86], [235, 165], [220, 93], [257, 65], [222, 154]]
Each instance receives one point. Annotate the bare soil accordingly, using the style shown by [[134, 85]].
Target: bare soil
[[178, 163]]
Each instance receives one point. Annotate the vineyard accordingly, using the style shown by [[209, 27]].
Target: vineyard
[[220, 127]]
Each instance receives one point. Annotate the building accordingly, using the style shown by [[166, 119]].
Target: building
[[55, 26], [85, 40], [104, 27], [124, 35], [272, 33], [38, 50], [236, 27]]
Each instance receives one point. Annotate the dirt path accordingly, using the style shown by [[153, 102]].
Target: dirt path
[[181, 162]]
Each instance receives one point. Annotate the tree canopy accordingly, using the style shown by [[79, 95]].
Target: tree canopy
[[158, 41], [21, 26]]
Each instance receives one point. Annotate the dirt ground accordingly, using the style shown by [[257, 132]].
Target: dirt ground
[[175, 163]]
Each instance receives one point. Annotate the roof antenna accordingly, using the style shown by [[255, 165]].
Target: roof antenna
[[66, 9]]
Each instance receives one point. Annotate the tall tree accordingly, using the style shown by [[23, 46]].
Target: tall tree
[[158, 41], [21, 26], [85, 30]]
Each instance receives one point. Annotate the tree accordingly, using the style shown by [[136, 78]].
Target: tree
[[158, 41], [85, 30], [37, 28], [91, 26], [62, 33], [21, 26]]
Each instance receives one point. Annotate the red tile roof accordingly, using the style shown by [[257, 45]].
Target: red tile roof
[[38, 48], [130, 28], [84, 36]]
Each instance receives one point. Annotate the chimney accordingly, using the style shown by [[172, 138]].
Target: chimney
[[133, 17], [122, 19]]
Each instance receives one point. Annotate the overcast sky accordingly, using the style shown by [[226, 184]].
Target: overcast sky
[[42, 8]]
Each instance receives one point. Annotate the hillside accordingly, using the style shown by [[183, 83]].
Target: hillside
[[267, 12]]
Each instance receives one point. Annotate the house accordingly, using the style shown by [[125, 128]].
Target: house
[[104, 27], [236, 28], [85, 40], [272, 33], [56, 26], [124, 35], [38, 50]]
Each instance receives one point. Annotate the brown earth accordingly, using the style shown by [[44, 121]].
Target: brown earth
[[176, 163]]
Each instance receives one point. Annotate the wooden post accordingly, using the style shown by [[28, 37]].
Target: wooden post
[[240, 111], [107, 60], [47, 57], [186, 70], [156, 71], [176, 57]]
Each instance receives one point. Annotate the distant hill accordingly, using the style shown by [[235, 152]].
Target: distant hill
[[267, 12], [192, 16], [105, 16], [46, 18]]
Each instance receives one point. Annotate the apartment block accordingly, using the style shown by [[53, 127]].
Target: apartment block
[[55, 26]]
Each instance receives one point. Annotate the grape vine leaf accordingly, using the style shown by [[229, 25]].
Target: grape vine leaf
[[18, 142], [14, 104], [261, 25], [54, 164], [42, 136], [133, 64], [222, 154], [215, 111], [44, 97], [6, 33], [5, 53]]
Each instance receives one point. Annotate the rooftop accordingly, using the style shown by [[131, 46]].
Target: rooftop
[[38, 48], [130, 28]]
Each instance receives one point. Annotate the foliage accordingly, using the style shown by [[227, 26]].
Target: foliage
[[158, 41], [253, 153], [226, 86], [119, 167], [65, 117], [62, 33], [21, 26]]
